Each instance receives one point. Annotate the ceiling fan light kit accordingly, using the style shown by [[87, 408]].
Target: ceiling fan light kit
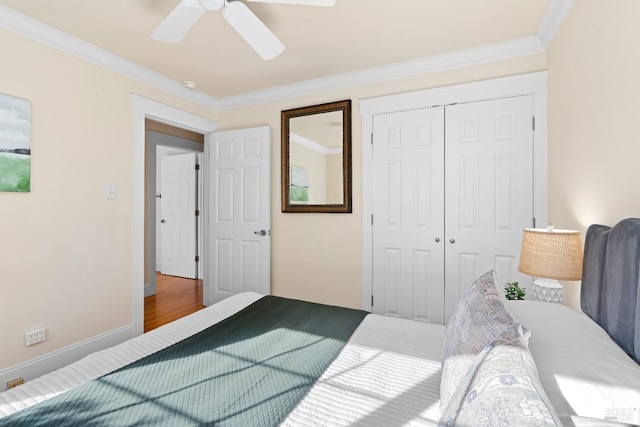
[[237, 14]]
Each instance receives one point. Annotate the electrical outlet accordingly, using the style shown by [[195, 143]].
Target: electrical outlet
[[34, 336], [15, 383]]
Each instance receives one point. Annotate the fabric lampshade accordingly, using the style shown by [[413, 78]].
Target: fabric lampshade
[[551, 254]]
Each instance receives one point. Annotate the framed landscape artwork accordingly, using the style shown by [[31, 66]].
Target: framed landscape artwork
[[15, 144]]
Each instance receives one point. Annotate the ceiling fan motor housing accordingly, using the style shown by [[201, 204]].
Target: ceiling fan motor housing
[[212, 4]]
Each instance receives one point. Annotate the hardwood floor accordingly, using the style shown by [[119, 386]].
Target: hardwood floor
[[175, 297]]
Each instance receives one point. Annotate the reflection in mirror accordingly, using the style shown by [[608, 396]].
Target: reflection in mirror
[[316, 158], [315, 152]]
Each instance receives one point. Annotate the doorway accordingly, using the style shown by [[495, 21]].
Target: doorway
[[180, 289], [251, 143], [161, 145], [145, 108]]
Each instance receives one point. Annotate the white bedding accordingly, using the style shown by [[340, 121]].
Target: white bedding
[[387, 374], [587, 377]]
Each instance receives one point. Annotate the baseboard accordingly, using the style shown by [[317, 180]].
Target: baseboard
[[57, 359]]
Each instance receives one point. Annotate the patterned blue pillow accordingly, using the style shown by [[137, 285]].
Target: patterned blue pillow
[[503, 389], [477, 320]]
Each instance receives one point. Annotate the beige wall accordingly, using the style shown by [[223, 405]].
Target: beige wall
[[66, 257], [594, 110], [318, 257]]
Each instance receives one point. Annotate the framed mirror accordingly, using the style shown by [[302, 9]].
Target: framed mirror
[[316, 158]]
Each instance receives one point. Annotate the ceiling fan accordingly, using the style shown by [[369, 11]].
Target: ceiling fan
[[238, 15]]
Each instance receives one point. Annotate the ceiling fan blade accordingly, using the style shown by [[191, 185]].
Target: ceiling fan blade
[[300, 2], [253, 30], [179, 22]]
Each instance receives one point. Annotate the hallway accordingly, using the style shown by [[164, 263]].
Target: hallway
[[175, 297]]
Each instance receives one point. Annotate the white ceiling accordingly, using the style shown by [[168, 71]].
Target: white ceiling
[[353, 35]]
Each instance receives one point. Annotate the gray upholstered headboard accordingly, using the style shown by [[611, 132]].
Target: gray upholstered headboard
[[610, 281]]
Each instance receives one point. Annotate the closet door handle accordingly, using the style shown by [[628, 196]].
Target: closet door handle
[[452, 241], [437, 240]]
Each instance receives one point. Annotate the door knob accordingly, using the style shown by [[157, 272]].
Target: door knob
[[260, 232], [452, 241], [162, 221], [437, 240]]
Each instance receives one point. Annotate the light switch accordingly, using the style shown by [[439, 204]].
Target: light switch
[[111, 191]]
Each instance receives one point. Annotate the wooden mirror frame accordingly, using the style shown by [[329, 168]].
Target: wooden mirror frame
[[286, 116]]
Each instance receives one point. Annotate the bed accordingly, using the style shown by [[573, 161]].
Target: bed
[[284, 362]]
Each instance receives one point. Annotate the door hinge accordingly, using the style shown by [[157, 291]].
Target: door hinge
[[197, 258], [197, 167], [371, 219], [197, 212], [534, 222], [533, 123], [371, 139], [371, 300]]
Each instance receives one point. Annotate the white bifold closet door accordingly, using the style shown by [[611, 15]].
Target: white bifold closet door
[[408, 214], [489, 164], [453, 190]]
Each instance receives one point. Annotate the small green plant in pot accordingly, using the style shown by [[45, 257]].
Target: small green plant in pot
[[513, 291]]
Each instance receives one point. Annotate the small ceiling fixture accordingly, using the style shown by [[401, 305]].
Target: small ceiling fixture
[[238, 15], [189, 84]]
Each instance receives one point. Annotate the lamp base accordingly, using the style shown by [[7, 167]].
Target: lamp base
[[548, 290]]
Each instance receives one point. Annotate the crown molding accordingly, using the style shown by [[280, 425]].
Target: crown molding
[[460, 58], [36, 30], [553, 18], [312, 145]]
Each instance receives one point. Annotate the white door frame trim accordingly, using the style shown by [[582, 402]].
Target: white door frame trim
[[526, 84], [145, 108]]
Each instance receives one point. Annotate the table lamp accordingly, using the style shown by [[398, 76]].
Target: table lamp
[[550, 255]]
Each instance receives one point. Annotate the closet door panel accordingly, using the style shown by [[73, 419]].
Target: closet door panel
[[489, 190], [408, 214]]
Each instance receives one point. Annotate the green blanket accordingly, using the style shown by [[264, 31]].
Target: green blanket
[[251, 369]]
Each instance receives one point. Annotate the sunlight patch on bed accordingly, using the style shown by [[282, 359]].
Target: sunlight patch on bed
[[595, 399]]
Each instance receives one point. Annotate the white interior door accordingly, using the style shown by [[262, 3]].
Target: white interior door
[[408, 214], [489, 190], [178, 208], [239, 213]]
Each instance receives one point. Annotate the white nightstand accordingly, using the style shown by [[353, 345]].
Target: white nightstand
[[547, 290]]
